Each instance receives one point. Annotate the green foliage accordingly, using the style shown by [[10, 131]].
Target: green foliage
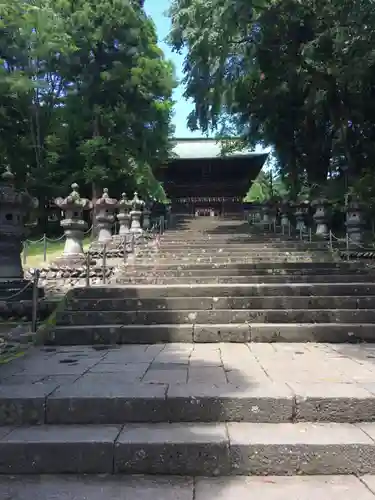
[[266, 186], [297, 76], [84, 89]]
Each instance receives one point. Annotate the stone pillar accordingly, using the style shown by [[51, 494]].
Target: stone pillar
[[105, 217], [321, 216], [74, 226], [355, 222], [146, 217], [123, 216], [136, 214], [14, 205]]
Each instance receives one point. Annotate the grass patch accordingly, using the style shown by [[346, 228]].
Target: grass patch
[[44, 334], [34, 252], [10, 354]]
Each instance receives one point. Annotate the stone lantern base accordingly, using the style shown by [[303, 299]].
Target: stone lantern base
[[136, 222]]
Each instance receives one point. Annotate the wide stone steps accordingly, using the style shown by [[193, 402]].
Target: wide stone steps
[[111, 334], [209, 303], [232, 448], [214, 316]]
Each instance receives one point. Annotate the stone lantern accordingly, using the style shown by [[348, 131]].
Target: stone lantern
[[123, 216], [14, 205], [146, 220], [137, 206], [321, 216], [105, 217], [355, 221], [74, 225]]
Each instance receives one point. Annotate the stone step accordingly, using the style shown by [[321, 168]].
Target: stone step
[[112, 400], [208, 303], [212, 270], [208, 449], [234, 259], [159, 487], [224, 290], [124, 279], [243, 249], [227, 252], [239, 243], [214, 316], [111, 334], [343, 267]]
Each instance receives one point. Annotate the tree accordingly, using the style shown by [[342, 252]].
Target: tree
[[85, 95], [291, 74]]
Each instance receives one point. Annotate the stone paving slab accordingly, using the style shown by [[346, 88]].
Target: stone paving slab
[[184, 488], [190, 382]]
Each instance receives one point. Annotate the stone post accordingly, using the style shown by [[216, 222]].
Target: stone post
[[105, 217], [123, 216], [74, 226], [355, 222], [321, 216], [146, 219], [136, 214], [14, 205]]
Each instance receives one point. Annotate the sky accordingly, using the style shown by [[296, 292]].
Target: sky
[[156, 9]]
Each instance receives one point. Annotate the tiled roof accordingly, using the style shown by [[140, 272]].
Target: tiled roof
[[186, 149]]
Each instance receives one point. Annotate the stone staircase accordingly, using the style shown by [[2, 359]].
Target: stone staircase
[[230, 286], [238, 364]]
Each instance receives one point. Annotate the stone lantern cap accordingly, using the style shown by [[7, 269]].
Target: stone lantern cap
[[124, 204], [12, 197], [74, 200], [136, 203], [105, 200]]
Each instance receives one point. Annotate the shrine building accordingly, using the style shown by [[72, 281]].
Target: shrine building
[[200, 181]]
